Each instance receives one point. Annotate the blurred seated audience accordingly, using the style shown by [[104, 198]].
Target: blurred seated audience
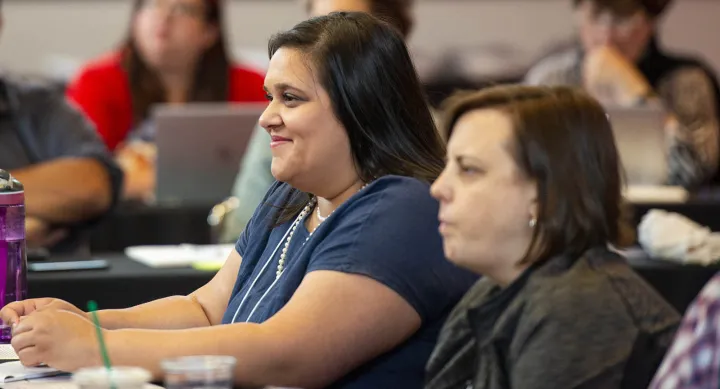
[[693, 360], [621, 62], [69, 177], [175, 53], [254, 177], [531, 199]]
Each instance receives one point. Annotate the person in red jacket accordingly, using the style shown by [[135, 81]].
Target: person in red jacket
[[175, 53]]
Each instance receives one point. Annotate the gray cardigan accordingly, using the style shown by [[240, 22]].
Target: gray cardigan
[[585, 323]]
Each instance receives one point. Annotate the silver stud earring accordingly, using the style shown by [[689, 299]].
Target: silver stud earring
[[532, 223]]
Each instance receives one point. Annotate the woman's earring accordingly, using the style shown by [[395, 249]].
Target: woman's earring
[[532, 223]]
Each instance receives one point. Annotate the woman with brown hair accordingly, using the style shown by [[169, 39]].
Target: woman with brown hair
[[174, 53], [531, 199]]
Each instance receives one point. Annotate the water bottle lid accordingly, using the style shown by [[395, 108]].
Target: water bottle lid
[[11, 190]]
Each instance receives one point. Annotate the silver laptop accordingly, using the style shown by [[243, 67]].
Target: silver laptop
[[199, 149], [642, 144]]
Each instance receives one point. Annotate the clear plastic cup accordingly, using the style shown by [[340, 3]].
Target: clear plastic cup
[[203, 371], [119, 377]]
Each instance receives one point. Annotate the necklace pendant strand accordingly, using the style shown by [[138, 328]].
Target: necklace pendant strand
[[320, 217], [293, 227], [306, 211]]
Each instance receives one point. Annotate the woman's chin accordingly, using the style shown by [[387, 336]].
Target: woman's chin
[[279, 170], [280, 177], [450, 254], [457, 258]]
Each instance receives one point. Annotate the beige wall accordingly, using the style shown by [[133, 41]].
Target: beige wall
[[50, 36]]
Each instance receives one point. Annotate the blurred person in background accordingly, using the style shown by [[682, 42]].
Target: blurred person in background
[[621, 63], [254, 177], [398, 13], [70, 178], [175, 53]]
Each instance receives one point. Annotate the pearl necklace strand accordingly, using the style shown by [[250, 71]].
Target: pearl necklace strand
[[307, 210], [321, 217]]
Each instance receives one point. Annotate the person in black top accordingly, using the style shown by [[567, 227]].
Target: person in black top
[[620, 61]]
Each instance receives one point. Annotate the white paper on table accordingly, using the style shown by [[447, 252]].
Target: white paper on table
[[180, 255], [60, 383], [655, 194], [7, 353], [16, 369], [54, 383]]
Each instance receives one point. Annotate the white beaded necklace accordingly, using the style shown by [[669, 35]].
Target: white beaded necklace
[[321, 217], [308, 208]]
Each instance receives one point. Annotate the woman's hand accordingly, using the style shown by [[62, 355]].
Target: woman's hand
[[61, 339], [612, 79], [12, 312]]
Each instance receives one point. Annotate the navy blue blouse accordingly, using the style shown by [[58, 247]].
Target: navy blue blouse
[[388, 232]]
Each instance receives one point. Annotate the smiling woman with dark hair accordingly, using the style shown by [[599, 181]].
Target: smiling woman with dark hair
[[531, 199], [339, 280], [254, 176]]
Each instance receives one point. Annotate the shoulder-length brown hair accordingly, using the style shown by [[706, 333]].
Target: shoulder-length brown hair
[[563, 141], [211, 77]]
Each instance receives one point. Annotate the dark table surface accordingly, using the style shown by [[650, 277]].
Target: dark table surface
[[125, 283], [678, 284]]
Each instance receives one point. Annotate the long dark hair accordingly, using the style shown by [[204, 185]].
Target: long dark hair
[[563, 140], [211, 76], [365, 68]]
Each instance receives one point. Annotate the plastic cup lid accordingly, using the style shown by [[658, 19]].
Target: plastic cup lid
[[198, 363], [118, 375]]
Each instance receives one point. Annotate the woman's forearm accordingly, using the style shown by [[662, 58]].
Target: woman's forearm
[[176, 312], [260, 355]]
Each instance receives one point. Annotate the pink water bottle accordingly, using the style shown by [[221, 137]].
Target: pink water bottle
[[13, 262]]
